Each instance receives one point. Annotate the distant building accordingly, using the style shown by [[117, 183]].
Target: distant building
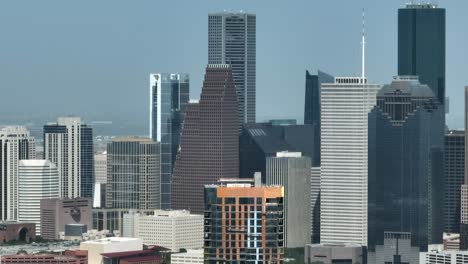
[[259, 141], [454, 171], [396, 248], [451, 241], [256, 234], [292, 170], [169, 96], [345, 106], [282, 122], [232, 40], [69, 145], [406, 173], [38, 179], [315, 205], [100, 167], [173, 230], [10, 231], [209, 146], [97, 248], [112, 219], [15, 144], [313, 85], [56, 213], [133, 179], [69, 257], [192, 256], [331, 254]]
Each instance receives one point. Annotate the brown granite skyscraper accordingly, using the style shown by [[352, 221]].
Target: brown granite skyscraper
[[209, 144]]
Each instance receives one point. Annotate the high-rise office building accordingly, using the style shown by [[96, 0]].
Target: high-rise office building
[[292, 170], [315, 205], [100, 167], [232, 40], [15, 144], [421, 45], [454, 177], [244, 222], [464, 188], [406, 145], [169, 96], [259, 141], [209, 145], [345, 105], [69, 144], [133, 174], [312, 107], [38, 179]]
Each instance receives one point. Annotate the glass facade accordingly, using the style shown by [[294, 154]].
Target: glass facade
[[421, 45], [406, 142], [312, 107], [169, 97], [87, 161]]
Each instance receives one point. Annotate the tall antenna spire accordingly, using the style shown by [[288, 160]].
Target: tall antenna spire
[[363, 45]]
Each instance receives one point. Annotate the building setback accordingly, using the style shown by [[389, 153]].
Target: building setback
[[133, 174], [232, 40], [69, 145], [38, 179], [15, 144], [169, 96], [454, 169], [312, 107], [243, 222], [209, 145], [56, 213], [345, 105], [406, 144], [291, 170]]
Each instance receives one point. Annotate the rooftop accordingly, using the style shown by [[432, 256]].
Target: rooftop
[[112, 240], [132, 139]]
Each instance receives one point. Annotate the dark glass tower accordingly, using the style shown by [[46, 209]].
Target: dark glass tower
[[209, 144], [87, 161], [169, 96], [312, 107], [454, 177], [421, 45], [406, 164]]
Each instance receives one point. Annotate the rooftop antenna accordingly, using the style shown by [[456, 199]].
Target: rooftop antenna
[[363, 45]]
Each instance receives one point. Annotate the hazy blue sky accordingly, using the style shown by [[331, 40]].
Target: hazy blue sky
[[93, 58]]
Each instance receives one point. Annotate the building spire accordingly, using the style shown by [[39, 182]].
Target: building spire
[[363, 45]]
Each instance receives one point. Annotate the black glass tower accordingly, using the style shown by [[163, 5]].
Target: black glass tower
[[406, 144], [421, 45], [312, 107], [87, 161]]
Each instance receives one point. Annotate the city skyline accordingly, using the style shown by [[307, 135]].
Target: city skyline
[[55, 58]]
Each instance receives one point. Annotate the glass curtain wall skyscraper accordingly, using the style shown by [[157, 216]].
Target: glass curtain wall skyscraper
[[232, 40], [169, 96], [312, 107], [406, 164], [421, 45]]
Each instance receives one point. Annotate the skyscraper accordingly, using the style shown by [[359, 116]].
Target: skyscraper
[[232, 40], [464, 187], [69, 144], [169, 95], [15, 144], [454, 177], [38, 179], [209, 144], [243, 222], [312, 107], [421, 45], [133, 174], [292, 170], [406, 164], [345, 105]]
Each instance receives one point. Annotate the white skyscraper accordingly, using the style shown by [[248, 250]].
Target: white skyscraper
[[15, 144], [100, 167], [345, 105], [232, 40], [69, 145], [292, 170], [38, 179]]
